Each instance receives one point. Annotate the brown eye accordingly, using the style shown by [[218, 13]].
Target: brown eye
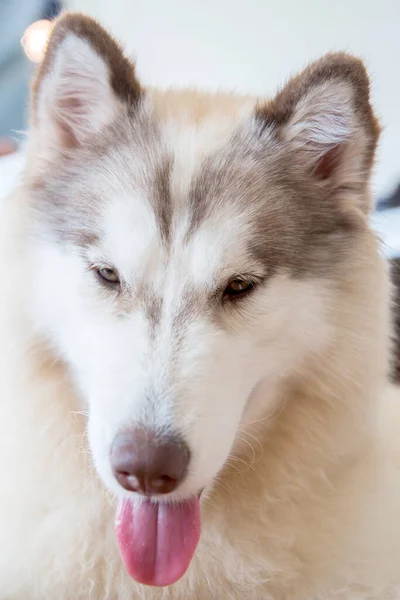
[[238, 288], [108, 275]]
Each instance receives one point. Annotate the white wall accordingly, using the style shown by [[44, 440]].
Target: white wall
[[253, 45]]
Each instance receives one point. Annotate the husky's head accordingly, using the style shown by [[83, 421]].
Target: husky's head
[[180, 242]]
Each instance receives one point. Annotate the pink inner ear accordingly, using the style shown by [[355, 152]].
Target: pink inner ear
[[72, 113], [329, 162]]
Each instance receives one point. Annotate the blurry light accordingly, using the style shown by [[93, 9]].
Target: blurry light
[[35, 38]]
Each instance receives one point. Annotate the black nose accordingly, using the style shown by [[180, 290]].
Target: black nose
[[146, 463]]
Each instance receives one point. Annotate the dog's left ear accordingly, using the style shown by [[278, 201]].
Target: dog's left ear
[[82, 85], [323, 121]]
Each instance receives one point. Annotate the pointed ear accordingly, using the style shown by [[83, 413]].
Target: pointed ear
[[324, 121], [82, 83]]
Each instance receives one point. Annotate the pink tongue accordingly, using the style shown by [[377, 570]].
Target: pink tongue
[[157, 540]]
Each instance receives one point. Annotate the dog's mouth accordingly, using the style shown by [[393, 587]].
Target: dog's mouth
[[157, 540]]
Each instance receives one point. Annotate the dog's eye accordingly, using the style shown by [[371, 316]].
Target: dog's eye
[[108, 274], [238, 288]]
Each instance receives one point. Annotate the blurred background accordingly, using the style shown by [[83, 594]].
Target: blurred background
[[250, 46]]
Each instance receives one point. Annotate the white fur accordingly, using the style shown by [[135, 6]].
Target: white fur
[[134, 254], [323, 118]]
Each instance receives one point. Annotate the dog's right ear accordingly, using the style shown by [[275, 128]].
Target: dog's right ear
[[82, 84]]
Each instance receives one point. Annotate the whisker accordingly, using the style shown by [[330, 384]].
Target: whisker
[[252, 449], [257, 442], [258, 421]]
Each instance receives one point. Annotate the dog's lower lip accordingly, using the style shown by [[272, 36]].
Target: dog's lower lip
[[157, 498]]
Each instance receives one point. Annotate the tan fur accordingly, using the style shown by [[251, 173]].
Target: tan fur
[[310, 512]]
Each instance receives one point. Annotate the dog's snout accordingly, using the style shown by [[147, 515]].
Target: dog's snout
[[147, 463]]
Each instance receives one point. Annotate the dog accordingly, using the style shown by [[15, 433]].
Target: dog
[[196, 341]]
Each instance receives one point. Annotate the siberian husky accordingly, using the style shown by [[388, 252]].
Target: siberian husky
[[195, 329]]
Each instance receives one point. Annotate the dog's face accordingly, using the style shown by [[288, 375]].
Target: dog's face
[[183, 257]]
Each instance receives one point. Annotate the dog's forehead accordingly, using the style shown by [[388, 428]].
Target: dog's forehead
[[180, 202], [202, 200], [134, 241]]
